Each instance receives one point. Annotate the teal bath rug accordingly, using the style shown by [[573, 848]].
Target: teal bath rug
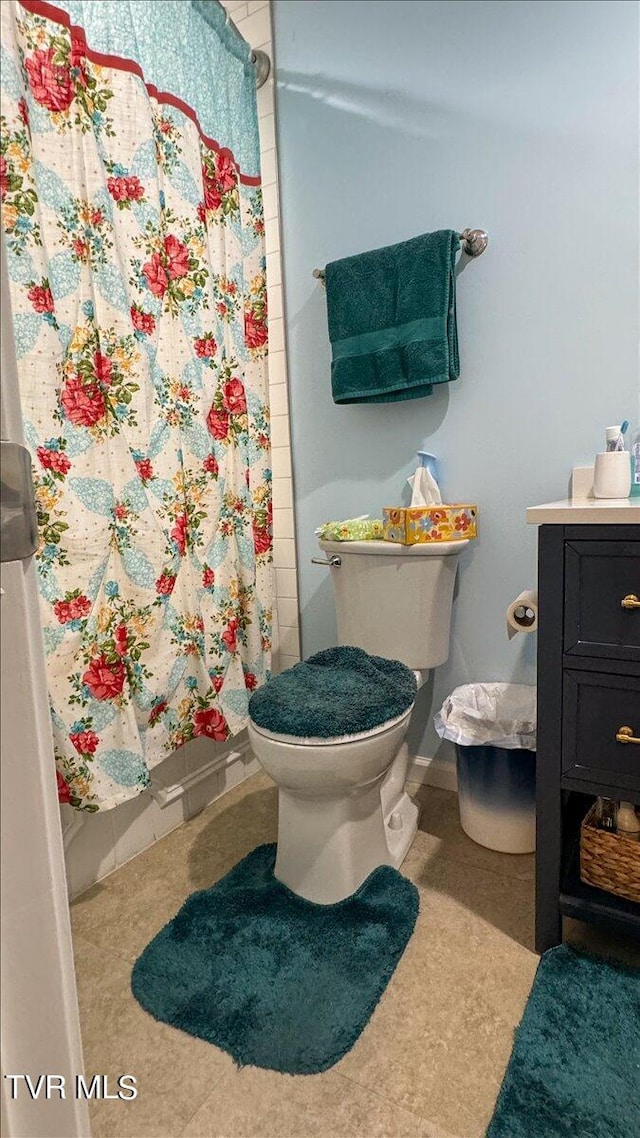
[[277, 981], [575, 1066]]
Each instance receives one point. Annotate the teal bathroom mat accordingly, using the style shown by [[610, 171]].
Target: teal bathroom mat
[[277, 981], [575, 1065]]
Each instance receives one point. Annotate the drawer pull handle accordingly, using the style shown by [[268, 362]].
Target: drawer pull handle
[[625, 735], [630, 602]]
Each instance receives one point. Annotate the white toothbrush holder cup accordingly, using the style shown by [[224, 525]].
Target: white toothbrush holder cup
[[612, 474]]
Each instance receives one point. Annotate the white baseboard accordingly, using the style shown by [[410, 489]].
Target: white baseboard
[[165, 795], [97, 844], [433, 772]]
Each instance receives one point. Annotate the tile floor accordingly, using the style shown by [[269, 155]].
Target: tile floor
[[430, 1062]]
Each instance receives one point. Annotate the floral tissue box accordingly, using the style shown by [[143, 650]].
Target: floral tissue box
[[412, 525]]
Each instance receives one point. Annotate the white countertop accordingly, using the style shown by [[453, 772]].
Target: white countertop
[[593, 511]]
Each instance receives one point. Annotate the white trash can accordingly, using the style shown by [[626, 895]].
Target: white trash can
[[493, 726]]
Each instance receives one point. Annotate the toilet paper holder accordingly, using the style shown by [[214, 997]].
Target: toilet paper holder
[[522, 613]]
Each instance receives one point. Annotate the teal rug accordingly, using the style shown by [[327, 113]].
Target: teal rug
[[575, 1067], [277, 981]]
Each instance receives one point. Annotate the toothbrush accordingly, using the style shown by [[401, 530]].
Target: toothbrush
[[614, 436], [617, 443]]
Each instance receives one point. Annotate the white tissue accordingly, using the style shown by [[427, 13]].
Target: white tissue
[[424, 488]]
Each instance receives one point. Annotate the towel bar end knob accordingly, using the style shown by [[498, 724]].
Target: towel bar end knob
[[474, 241]]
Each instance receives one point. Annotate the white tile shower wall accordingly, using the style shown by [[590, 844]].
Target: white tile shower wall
[[97, 844], [253, 20]]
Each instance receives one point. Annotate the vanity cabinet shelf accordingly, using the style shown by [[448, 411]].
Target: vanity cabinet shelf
[[586, 903], [588, 690]]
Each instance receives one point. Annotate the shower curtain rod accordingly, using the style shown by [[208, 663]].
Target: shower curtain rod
[[259, 59], [474, 242]]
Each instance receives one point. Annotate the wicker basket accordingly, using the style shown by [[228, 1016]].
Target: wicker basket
[[609, 861]]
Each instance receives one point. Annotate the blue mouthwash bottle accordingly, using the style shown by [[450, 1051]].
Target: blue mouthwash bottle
[[635, 467]]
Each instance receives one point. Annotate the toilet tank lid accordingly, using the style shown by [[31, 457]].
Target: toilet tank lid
[[341, 691], [395, 549]]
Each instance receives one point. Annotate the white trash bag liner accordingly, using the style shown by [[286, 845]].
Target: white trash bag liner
[[497, 715]]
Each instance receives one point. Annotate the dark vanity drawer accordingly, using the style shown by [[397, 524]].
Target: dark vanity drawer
[[599, 576], [595, 707]]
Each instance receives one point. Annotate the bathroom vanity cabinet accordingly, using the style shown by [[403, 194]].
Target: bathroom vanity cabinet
[[588, 690]]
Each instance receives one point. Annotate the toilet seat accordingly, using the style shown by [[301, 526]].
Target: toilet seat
[[333, 741]]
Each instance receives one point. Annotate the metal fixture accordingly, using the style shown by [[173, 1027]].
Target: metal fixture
[[259, 59], [262, 64], [524, 616], [625, 735], [333, 562], [630, 602], [18, 516], [474, 242]]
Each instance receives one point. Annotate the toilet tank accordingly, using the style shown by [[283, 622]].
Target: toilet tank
[[395, 600]]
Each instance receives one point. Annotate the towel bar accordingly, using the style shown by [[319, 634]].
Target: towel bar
[[474, 242]]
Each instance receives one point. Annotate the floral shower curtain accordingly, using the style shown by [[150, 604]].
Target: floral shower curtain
[[132, 216]]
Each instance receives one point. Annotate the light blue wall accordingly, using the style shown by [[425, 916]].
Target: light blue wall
[[516, 117]]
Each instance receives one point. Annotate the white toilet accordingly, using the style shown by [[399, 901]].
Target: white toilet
[[342, 804]]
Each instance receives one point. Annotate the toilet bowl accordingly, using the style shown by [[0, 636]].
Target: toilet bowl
[[331, 826], [343, 808]]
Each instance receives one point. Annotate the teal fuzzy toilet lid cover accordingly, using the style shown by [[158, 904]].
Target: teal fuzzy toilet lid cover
[[338, 692]]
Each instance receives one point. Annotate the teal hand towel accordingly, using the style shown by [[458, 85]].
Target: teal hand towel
[[392, 320]]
